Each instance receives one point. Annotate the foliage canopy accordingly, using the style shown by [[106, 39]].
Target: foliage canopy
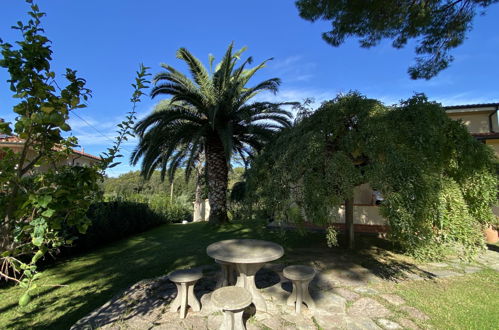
[[438, 26], [211, 114], [439, 183]]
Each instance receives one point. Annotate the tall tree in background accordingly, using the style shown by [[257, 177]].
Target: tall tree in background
[[437, 26], [317, 163], [439, 183], [211, 114]]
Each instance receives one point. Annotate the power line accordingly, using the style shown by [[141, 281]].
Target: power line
[[88, 124], [94, 128]]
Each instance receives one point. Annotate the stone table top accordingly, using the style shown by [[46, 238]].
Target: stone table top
[[245, 251]]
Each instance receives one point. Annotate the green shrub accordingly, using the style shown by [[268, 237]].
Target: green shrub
[[175, 211], [114, 220], [117, 219]]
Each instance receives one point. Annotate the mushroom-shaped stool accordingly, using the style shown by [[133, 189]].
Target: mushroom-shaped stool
[[232, 300], [185, 281], [300, 276]]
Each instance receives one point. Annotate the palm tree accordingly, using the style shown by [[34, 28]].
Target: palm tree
[[211, 115]]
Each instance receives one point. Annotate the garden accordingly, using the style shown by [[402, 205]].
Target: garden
[[243, 211]]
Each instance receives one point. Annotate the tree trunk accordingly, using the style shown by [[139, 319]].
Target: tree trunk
[[349, 222], [171, 190], [217, 173]]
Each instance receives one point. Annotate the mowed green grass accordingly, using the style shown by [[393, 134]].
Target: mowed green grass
[[88, 281], [463, 302]]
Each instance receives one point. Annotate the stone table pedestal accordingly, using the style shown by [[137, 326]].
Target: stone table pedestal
[[248, 255]]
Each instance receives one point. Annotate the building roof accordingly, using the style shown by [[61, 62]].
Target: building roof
[[86, 155], [12, 139], [472, 107]]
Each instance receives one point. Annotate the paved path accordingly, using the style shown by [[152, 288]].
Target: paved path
[[344, 293]]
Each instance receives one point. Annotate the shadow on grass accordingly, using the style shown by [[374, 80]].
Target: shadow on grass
[[95, 278]]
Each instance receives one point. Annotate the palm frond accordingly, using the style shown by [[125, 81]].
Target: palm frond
[[208, 112], [198, 71]]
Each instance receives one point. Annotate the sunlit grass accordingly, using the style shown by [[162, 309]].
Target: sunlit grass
[[88, 281], [463, 302]]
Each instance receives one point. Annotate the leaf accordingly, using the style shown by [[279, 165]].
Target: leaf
[[47, 109], [65, 127], [24, 300], [37, 241], [48, 213], [75, 101], [5, 253], [44, 200]]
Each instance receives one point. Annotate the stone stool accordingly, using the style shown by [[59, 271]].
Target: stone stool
[[227, 274], [301, 276], [232, 300], [185, 281]]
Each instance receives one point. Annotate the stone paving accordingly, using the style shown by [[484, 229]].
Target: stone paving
[[346, 298]]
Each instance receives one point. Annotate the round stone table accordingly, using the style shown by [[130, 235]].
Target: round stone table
[[248, 255]]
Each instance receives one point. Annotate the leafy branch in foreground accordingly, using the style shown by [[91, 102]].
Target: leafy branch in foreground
[[44, 200], [126, 127], [42, 197]]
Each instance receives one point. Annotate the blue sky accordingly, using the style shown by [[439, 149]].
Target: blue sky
[[106, 40]]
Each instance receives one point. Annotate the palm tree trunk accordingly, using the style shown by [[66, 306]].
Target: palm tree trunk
[[217, 173]]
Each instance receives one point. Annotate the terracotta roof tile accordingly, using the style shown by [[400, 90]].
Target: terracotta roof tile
[[10, 139], [86, 155], [15, 139]]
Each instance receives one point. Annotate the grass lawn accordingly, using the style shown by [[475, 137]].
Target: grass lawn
[[92, 279], [464, 302]]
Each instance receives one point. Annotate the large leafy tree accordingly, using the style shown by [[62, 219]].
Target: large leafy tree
[[439, 183], [438, 26], [212, 115], [316, 165]]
